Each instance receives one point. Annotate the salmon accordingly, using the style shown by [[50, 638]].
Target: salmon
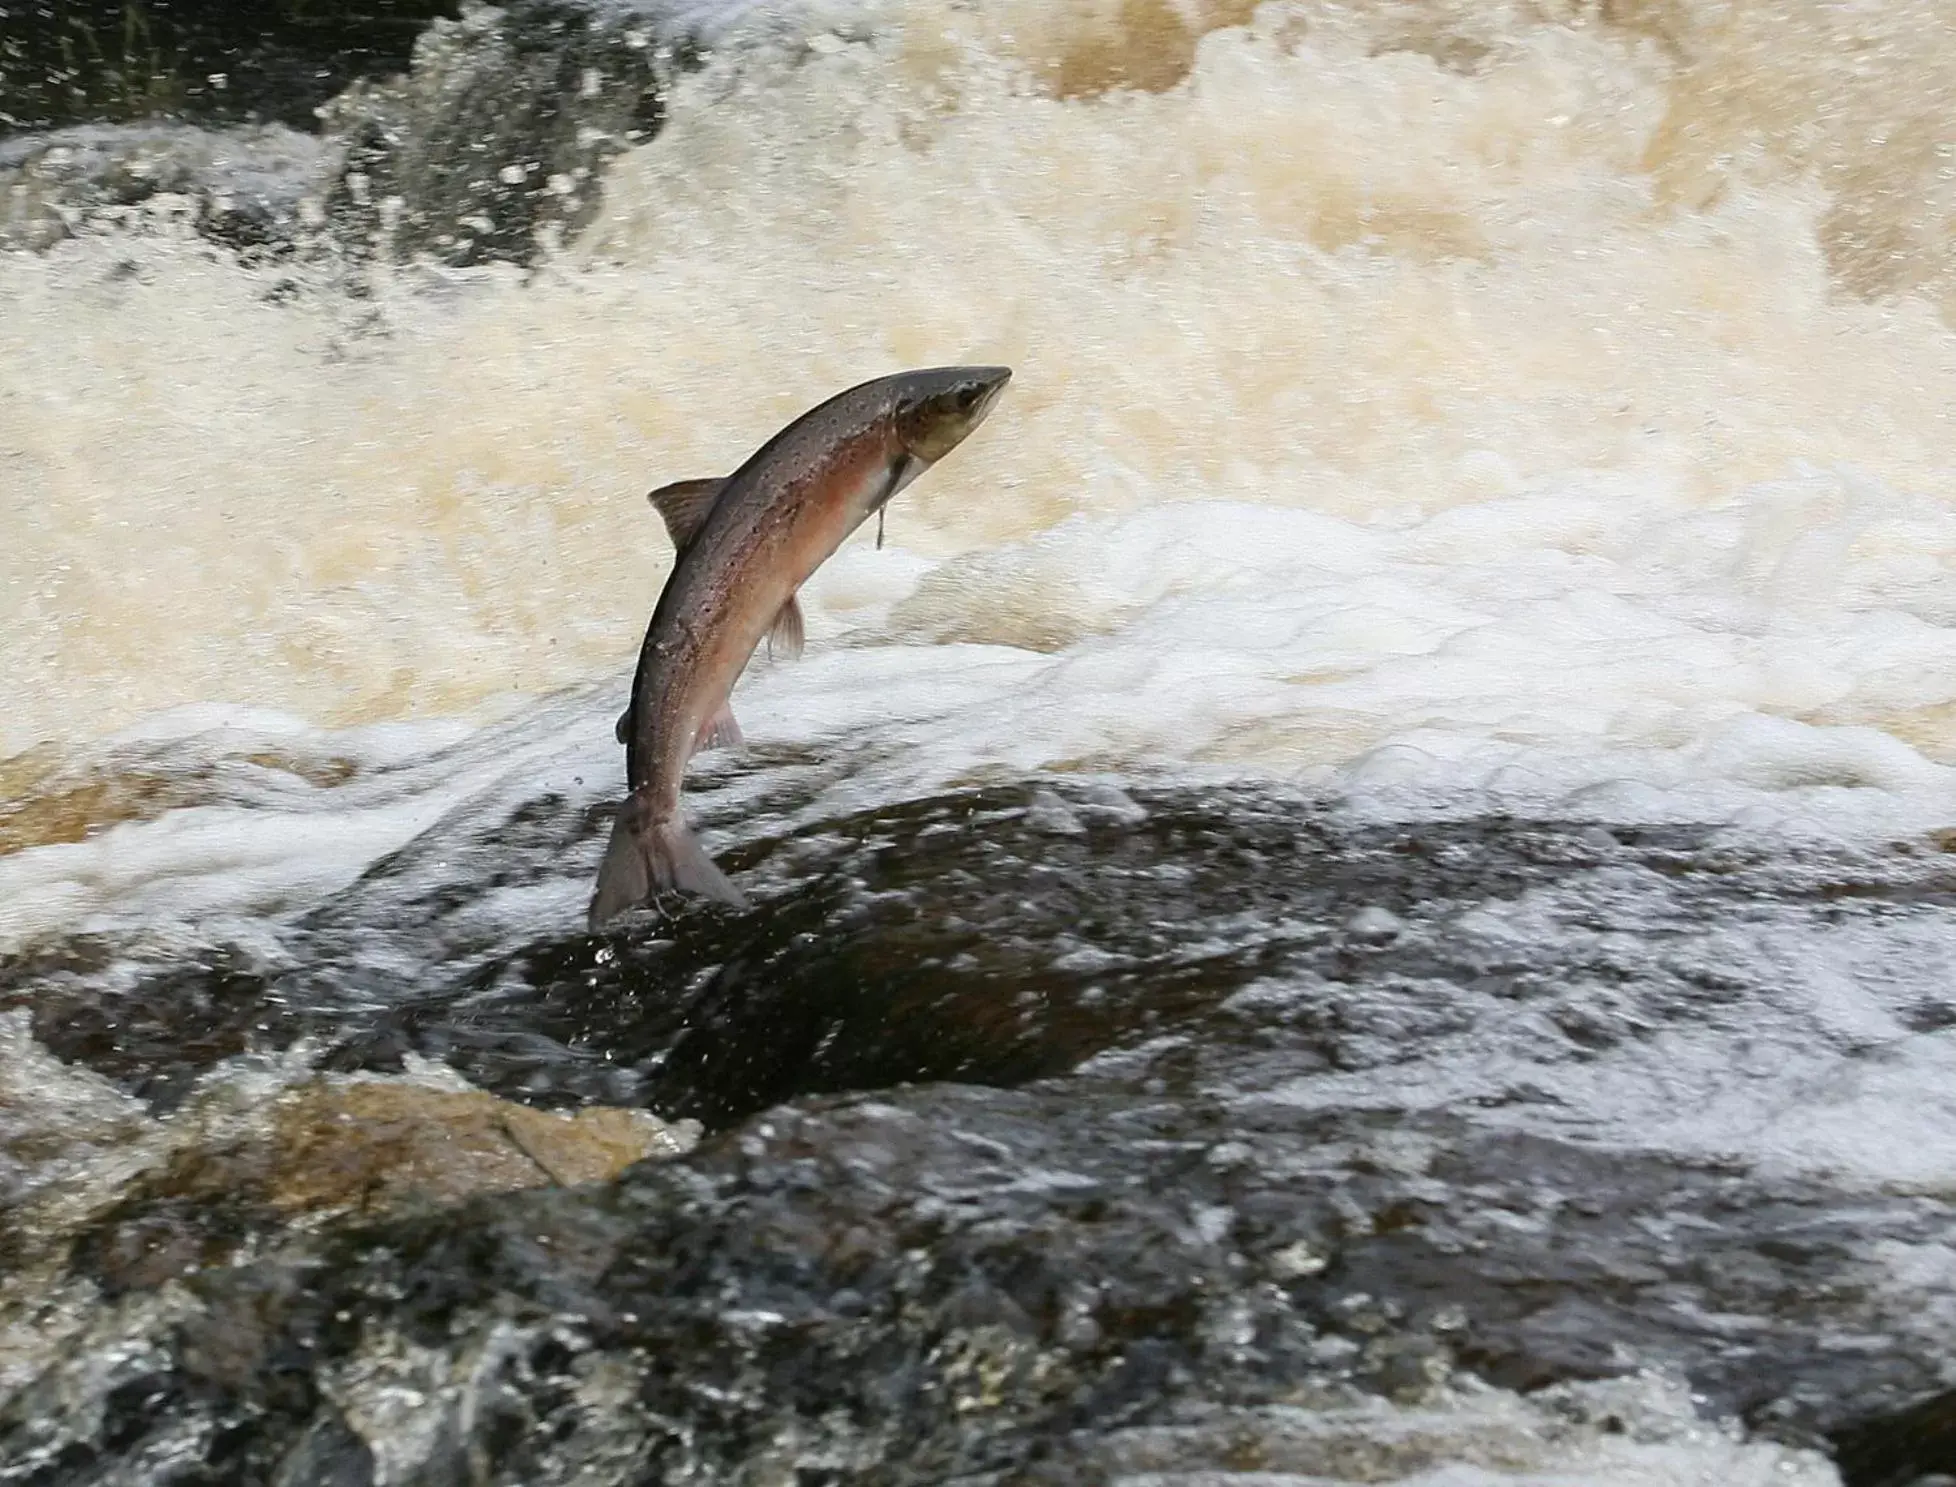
[[745, 545]]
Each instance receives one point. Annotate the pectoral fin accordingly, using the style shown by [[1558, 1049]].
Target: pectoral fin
[[623, 732], [907, 468], [718, 732], [785, 633], [684, 504]]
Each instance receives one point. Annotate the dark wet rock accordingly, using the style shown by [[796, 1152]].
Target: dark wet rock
[[329, 1454], [488, 145], [156, 1033], [500, 130], [964, 938], [251, 188], [1913, 1447], [194, 61], [950, 938], [1026, 1287], [1021, 1172], [240, 1166], [490, 142]]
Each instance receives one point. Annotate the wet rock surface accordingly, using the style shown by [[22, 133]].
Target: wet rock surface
[[1014, 1286], [142, 1200], [991, 936], [1063, 1133], [499, 132], [329, 1149], [995, 936], [207, 61]]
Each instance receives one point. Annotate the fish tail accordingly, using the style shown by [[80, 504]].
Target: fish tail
[[648, 854]]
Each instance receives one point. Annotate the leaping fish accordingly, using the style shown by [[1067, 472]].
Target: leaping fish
[[745, 545]]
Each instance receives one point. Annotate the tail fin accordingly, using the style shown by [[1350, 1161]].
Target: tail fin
[[646, 855]]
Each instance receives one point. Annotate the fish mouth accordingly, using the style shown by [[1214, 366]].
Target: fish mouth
[[995, 379], [937, 409]]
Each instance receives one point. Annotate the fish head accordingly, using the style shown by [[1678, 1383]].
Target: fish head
[[936, 410]]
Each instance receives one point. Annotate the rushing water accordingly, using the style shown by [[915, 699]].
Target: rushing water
[[1425, 416]]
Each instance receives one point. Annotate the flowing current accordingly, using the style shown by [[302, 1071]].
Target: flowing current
[[1425, 411]]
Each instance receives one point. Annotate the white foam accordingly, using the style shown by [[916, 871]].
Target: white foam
[[1780, 1039], [269, 848], [1478, 1437]]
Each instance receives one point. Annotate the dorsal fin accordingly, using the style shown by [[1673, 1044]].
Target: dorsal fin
[[684, 504]]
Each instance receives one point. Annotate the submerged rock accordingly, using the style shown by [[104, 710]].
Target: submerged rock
[[490, 143], [95, 1192], [1914, 1447], [195, 61], [498, 132]]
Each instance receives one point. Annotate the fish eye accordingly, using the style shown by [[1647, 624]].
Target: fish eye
[[967, 395]]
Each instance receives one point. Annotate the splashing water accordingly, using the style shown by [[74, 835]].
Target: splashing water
[[1450, 407], [1380, 378]]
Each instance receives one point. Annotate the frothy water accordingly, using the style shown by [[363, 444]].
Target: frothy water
[[1444, 409], [1362, 396]]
